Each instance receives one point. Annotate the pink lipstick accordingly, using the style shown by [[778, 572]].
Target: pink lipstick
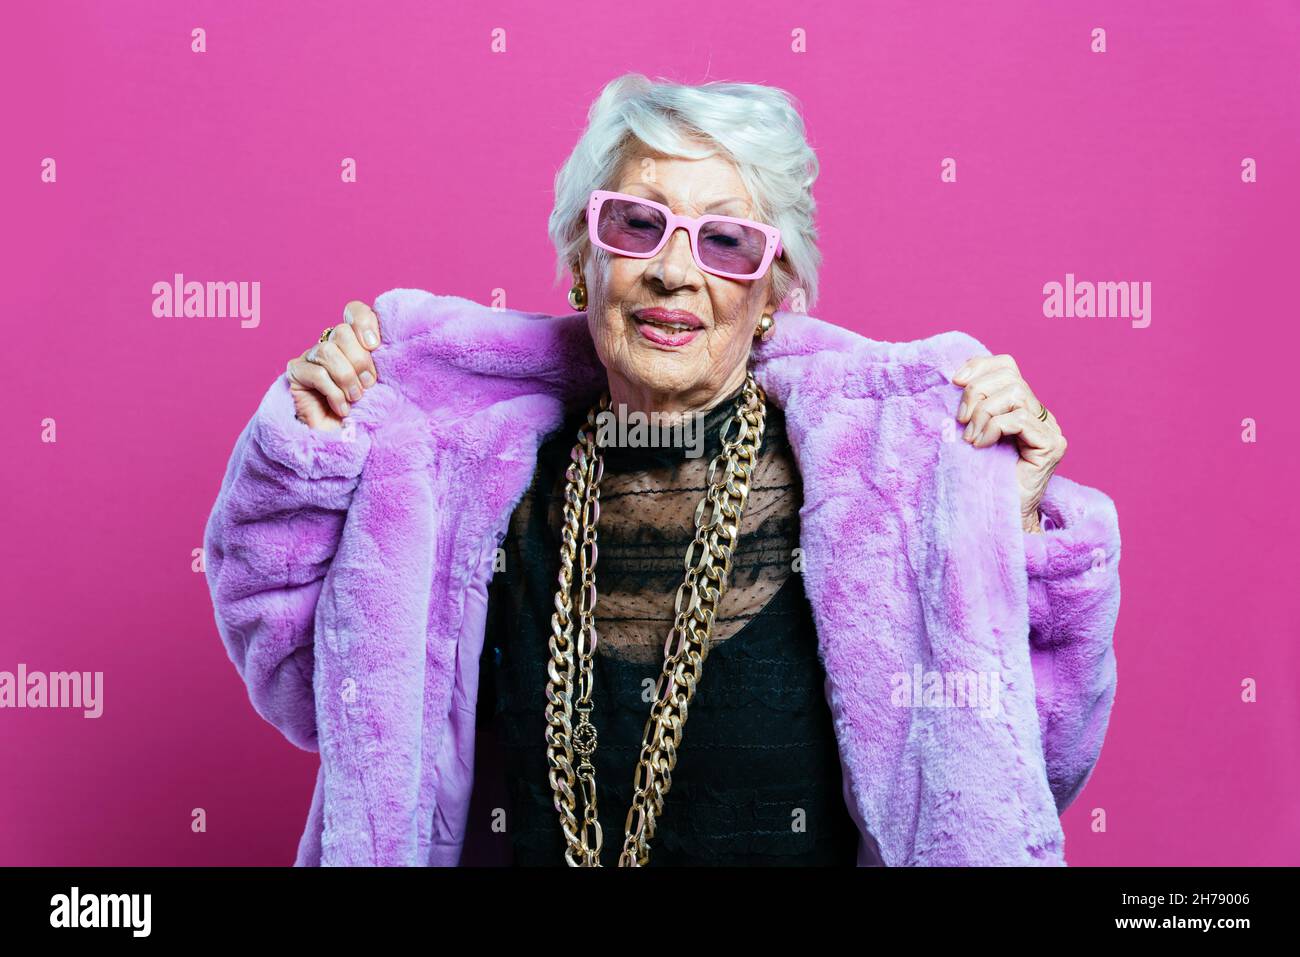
[[670, 328]]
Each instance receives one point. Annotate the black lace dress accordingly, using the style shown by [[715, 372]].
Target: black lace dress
[[758, 778]]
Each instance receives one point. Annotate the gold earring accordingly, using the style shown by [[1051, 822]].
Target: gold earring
[[578, 295], [765, 325]]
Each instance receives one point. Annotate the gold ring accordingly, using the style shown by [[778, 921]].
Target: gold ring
[[1042, 415], [325, 336]]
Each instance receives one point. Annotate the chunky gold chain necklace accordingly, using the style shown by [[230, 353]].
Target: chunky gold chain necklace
[[708, 569]]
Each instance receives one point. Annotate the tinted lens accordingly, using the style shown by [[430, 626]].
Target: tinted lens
[[637, 228], [731, 247], [631, 227]]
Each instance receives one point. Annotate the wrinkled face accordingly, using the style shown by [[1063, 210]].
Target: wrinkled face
[[656, 365]]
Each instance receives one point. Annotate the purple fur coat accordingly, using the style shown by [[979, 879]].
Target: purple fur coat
[[349, 569]]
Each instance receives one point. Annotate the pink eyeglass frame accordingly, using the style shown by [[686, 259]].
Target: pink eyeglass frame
[[691, 224]]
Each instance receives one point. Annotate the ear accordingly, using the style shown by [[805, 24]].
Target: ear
[[773, 304]]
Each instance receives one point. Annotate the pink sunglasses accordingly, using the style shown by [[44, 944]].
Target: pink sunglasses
[[640, 227]]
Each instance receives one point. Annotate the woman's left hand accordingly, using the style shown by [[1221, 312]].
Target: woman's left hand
[[997, 401]]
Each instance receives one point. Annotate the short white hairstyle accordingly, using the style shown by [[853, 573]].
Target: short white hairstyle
[[757, 127]]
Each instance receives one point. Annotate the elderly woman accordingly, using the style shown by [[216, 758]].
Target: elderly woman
[[432, 532]]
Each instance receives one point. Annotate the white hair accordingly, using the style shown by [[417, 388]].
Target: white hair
[[757, 127]]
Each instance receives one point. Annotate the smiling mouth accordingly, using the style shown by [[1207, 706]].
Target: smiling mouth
[[669, 320], [667, 329], [667, 325]]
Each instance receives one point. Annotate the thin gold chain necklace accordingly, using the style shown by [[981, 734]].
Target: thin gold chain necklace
[[708, 571]]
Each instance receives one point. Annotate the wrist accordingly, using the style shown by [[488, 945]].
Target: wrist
[[1032, 523]]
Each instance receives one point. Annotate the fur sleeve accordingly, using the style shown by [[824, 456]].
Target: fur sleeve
[[1073, 572], [268, 543]]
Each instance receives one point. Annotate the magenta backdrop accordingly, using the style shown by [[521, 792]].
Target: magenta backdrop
[[225, 165]]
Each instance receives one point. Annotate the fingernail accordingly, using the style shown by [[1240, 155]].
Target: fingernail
[[961, 411], [372, 340], [346, 408], [969, 428], [367, 379], [354, 392]]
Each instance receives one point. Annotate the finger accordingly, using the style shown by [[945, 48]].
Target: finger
[[364, 321], [329, 355], [346, 339], [305, 375], [1043, 434], [1040, 443], [309, 375], [983, 385], [964, 371], [998, 399], [1015, 422], [977, 364], [313, 410]]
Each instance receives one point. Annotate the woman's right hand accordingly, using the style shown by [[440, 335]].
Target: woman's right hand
[[326, 379]]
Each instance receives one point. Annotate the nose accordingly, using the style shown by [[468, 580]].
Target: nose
[[675, 262]]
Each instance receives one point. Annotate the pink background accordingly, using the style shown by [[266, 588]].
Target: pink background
[[225, 166]]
